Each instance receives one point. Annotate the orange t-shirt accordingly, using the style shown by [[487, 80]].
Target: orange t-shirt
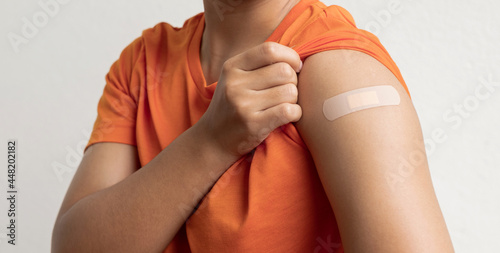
[[268, 201]]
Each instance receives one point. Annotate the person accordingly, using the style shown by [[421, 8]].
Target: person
[[212, 138]]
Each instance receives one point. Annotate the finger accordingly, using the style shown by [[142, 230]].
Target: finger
[[272, 75], [286, 93], [266, 54], [280, 115]]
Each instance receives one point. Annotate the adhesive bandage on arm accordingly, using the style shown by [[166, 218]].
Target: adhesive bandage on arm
[[360, 99]]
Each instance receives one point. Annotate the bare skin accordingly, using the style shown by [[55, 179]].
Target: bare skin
[[247, 25], [371, 162], [256, 90]]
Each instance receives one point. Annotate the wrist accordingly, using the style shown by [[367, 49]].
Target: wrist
[[209, 148]]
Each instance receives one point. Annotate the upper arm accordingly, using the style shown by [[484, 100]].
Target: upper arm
[[371, 162], [103, 165]]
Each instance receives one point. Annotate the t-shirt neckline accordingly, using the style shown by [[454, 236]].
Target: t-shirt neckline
[[195, 44]]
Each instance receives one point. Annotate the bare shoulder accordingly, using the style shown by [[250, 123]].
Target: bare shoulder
[[331, 73], [366, 158]]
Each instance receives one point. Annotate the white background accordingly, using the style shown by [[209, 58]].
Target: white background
[[50, 88]]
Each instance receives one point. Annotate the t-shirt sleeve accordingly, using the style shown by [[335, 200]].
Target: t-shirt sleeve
[[335, 29], [117, 107]]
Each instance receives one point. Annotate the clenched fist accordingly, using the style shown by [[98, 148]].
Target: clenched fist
[[256, 93]]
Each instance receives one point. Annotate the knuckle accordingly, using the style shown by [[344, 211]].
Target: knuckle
[[290, 112], [285, 113], [293, 79], [285, 71], [270, 49], [291, 91], [287, 93]]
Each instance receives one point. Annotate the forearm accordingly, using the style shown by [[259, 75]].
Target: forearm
[[144, 212]]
